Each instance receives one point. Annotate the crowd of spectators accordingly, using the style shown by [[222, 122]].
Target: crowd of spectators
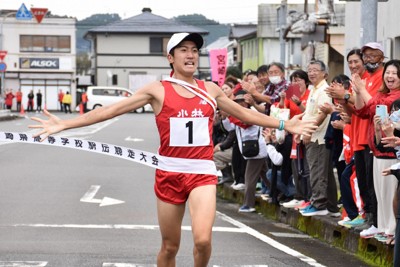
[[346, 169]]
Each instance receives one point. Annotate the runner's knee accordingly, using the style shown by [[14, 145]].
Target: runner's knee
[[202, 244], [170, 249]]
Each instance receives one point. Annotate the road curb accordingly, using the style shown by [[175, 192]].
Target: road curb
[[7, 116], [324, 228]]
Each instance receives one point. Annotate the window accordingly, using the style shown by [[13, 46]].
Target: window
[[41, 43], [158, 45], [115, 79]]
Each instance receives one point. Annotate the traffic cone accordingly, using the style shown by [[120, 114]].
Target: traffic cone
[[81, 109], [22, 111]]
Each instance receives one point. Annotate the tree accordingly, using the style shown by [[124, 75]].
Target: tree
[[215, 29], [83, 64]]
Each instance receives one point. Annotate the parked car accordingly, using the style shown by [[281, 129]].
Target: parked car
[[99, 96]]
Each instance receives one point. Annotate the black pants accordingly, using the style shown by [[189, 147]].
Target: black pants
[[238, 164], [30, 105], [363, 160], [347, 193], [67, 108]]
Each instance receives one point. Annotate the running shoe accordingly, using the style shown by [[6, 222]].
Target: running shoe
[[359, 220], [293, 203], [247, 209], [370, 232], [313, 211]]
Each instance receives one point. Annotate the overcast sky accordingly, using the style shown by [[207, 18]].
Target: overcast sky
[[223, 11]]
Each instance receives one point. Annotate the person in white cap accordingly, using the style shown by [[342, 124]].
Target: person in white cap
[[373, 58], [184, 108]]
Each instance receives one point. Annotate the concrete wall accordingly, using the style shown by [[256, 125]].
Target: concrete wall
[[388, 31]]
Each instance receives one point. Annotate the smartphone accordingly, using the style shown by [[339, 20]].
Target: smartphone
[[381, 111], [293, 89]]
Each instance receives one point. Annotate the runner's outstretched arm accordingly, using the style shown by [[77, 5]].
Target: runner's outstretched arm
[[54, 124]]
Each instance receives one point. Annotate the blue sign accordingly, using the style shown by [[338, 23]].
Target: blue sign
[[3, 67], [23, 13]]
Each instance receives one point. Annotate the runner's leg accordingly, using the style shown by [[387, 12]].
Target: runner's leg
[[170, 220], [202, 206]]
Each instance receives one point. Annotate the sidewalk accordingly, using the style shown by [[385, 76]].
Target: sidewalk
[[324, 228], [6, 114]]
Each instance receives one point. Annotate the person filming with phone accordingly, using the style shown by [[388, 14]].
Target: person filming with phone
[[375, 109]]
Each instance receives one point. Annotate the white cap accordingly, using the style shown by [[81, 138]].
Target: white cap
[[177, 38], [373, 45]]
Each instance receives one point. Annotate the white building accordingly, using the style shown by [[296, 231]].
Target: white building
[[39, 56], [132, 52], [388, 31]]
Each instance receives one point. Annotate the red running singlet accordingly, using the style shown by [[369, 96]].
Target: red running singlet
[[185, 129]]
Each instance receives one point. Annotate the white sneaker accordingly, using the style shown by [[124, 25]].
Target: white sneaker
[[265, 197], [246, 209], [293, 203], [334, 214], [370, 232], [345, 219], [239, 187]]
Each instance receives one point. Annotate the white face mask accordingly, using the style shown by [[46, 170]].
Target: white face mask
[[275, 79]]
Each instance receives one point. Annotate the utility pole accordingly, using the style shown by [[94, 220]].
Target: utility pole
[[369, 21], [282, 11]]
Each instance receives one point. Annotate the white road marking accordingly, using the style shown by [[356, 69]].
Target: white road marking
[[88, 197], [134, 139], [270, 241], [290, 235], [23, 263], [243, 265], [121, 226], [240, 228], [109, 264]]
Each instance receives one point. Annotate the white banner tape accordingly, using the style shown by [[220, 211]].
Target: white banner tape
[[157, 161]]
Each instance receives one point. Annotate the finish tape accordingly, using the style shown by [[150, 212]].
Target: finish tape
[[196, 166]]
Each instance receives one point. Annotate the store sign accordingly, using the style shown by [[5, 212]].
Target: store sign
[[39, 63]]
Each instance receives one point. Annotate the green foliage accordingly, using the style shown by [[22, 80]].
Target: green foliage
[[93, 21], [83, 46], [83, 64], [215, 30], [196, 20]]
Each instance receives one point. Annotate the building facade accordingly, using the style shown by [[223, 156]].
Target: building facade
[[131, 52], [387, 30], [40, 56]]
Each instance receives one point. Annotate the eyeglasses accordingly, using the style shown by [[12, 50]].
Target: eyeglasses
[[274, 73], [313, 71], [370, 56]]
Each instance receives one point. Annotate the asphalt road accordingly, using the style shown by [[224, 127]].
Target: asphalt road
[[65, 207]]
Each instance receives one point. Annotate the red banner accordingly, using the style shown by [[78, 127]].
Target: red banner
[[39, 13]]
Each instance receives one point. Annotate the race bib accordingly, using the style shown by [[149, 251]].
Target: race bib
[[189, 132]]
